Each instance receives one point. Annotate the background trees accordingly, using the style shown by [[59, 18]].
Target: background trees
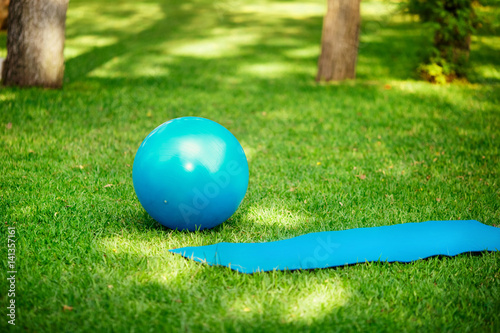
[[35, 43], [453, 22], [36, 40]]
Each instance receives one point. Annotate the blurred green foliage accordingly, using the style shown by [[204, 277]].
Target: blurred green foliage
[[452, 23]]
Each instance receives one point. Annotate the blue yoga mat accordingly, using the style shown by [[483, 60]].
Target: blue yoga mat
[[403, 243]]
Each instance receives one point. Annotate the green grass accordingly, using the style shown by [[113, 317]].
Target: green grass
[[428, 153]]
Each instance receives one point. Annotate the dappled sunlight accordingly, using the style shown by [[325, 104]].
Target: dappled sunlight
[[484, 52], [280, 114], [272, 70], [304, 306], [276, 216], [283, 36], [157, 265], [490, 41], [214, 46], [127, 244], [488, 72], [25, 212], [312, 51], [210, 32], [458, 96], [376, 9], [150, 65], [285, 9], [245, 305], [103, 18], [383, 149], [309, 306], [282, 41], [104, 23], [81, 44], [250, 152], [6, 95]]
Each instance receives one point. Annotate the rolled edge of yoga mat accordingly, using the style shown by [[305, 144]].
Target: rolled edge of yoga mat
[[402, 243]]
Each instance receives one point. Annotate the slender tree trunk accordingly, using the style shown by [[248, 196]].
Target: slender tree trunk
[[35, 43], [460, 48], [339, 41]]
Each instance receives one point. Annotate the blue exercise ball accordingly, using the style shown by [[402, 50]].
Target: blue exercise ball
[[190, 173]]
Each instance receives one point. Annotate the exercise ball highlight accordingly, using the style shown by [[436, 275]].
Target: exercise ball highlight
[[190, 173]]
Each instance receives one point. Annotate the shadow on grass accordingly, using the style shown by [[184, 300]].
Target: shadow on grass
[[163, 291], [270, 47]]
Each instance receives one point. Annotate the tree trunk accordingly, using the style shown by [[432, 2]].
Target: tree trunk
[[35, 43], [339, 41]]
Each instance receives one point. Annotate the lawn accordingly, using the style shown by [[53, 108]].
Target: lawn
[[382, 150]]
